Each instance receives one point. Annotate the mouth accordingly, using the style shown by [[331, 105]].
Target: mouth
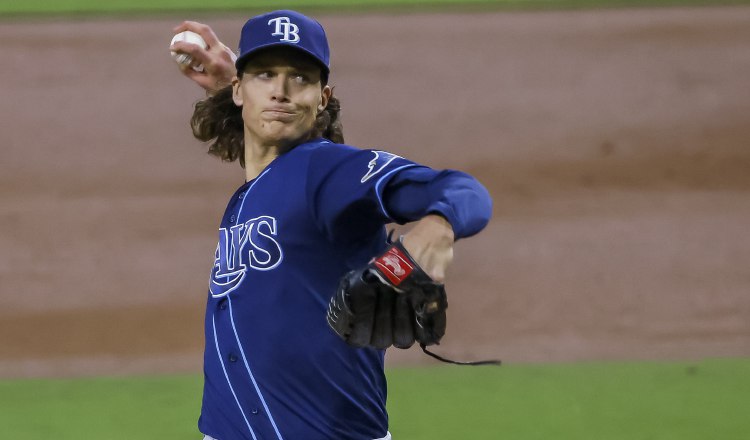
[[280, 114]]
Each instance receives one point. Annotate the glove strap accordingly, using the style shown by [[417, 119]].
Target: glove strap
[[450, 361], [398, 268], [395, 264]]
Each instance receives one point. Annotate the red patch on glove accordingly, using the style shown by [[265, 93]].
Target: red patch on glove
[[395, 265]]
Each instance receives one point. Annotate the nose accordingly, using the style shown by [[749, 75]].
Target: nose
[[280, 88]]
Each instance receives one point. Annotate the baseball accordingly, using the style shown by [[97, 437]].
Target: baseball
[[187, 37]]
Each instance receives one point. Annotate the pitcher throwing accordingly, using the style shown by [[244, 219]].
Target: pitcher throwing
[[306, 291]]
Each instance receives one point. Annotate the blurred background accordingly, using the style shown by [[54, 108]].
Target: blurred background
[[615, 142]]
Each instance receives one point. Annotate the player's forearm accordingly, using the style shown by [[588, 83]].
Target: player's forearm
[[430, 243], [456, 196]]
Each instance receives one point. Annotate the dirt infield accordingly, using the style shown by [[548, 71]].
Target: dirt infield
[[616, 145]]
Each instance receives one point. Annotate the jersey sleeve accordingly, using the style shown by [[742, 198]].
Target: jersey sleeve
[[415, 192], [345, 189], [353, 193]]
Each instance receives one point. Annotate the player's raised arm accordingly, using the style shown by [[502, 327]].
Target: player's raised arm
[[217, 60]]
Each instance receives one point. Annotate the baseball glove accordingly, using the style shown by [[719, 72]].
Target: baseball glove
[[390, 301]]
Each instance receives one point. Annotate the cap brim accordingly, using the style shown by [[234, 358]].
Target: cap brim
[[240, 63]]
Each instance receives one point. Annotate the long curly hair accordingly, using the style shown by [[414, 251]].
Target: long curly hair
[[218, 120]]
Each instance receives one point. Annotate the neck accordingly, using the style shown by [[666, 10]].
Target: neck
[[257, 158], [259, 154]]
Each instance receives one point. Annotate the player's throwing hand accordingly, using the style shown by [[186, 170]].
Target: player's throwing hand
[[217, 59]]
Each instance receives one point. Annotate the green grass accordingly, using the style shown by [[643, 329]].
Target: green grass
[[100, 408], [598, 401], [603, 401], [16, 7]]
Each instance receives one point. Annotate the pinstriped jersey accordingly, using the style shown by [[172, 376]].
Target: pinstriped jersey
[[273, 368]]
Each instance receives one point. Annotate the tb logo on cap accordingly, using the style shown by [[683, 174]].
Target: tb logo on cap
[[288, 31]]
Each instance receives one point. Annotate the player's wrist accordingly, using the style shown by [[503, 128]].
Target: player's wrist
[[430, 243], [432, 230], [440, 227]]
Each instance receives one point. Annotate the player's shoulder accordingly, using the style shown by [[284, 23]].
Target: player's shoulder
[[324, 151], [349, 163]]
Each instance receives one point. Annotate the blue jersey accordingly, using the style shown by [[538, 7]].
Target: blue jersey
[[273, 368]]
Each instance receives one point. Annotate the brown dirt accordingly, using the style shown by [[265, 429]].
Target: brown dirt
[[615, 145]]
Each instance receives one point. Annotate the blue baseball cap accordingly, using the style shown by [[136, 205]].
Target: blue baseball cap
[[284, 28]]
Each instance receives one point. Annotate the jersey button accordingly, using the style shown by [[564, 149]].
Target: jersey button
[[223, 304], [232, 357], [255, 411]]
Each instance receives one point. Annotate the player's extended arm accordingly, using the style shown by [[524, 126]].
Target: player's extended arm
[[442, 202], [373, 305], [217, 59], [416, 192]]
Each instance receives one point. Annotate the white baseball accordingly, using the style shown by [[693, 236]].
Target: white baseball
[[187, 37]]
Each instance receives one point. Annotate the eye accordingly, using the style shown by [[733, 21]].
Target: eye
[[301, 78], [264, 74]]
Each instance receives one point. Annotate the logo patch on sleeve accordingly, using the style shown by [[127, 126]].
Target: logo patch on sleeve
[[378, 164], [394, 265]]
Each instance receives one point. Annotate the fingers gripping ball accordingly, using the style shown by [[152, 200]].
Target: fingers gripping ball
[[183, 58], [391, 301]]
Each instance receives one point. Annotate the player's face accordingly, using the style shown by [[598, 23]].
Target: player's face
[[281, 94]]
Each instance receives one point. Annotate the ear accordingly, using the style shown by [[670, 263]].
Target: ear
[[325, 95], [236, 95]]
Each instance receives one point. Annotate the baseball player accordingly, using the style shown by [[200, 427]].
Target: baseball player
[[306, 290]]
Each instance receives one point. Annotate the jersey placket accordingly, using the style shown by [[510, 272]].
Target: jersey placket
[[234, 361], [238, 372]]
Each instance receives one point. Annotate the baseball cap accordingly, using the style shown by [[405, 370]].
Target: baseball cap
[[284, 28]]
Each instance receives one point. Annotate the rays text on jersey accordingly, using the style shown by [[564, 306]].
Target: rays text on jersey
[[245, 246]]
